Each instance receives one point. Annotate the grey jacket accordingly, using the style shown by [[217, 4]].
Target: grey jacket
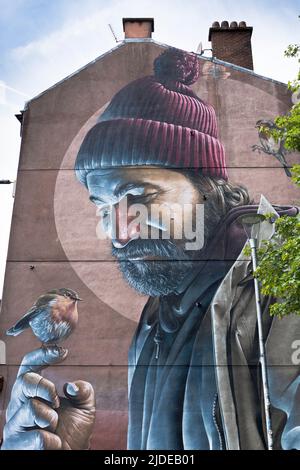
[[223, 355], [234, 333]]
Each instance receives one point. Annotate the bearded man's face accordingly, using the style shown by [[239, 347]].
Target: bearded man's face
[[152, 216]]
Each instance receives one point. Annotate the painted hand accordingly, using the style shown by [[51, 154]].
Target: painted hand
[[37, 418]]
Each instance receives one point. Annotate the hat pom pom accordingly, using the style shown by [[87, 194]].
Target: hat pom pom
[[177, 65]]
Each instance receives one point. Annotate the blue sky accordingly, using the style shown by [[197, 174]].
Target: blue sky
[[42, 41], [19, 19], [31, 29]]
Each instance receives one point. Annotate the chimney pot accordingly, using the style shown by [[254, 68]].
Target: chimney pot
[[224, 24], [138, 27], [232, 44]]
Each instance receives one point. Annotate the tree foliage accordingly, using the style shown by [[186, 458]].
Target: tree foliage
[[279, 263], [279, 258], [288, 125]]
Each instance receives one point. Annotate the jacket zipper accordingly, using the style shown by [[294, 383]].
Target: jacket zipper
[[216, 422], [158, 338]]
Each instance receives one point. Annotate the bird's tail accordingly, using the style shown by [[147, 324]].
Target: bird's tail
[[15, 330]]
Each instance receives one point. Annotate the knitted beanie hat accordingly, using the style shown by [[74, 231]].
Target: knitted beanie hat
[[159, 121]]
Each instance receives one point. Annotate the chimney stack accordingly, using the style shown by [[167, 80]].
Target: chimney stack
[[232, 43], [138, 27]]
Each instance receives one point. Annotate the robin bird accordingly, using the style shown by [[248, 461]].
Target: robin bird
[[52, 318]]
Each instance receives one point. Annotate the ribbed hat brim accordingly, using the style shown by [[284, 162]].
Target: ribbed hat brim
[[134, 142]]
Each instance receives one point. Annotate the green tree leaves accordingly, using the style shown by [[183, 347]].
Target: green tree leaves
[[279, 258], [288, 125], [279, 263]]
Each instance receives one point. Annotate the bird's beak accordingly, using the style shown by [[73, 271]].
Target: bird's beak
[[78, 298]]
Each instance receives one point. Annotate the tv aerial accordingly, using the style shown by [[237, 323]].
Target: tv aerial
[[200, 50], [113, 33]]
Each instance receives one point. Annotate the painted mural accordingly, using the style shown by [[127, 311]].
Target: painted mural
[[152, 164]]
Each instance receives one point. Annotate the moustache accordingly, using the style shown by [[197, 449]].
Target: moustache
[[140, 248]]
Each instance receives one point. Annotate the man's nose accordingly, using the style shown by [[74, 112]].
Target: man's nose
[[125, 229]]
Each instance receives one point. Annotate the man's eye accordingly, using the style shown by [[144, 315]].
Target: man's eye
[[145, 197]]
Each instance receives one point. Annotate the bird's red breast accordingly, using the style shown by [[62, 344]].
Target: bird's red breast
[[65, 310]]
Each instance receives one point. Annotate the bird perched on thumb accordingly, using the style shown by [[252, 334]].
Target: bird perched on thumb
[[52, 318]]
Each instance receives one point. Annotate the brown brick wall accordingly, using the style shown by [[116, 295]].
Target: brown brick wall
[[233, 45]]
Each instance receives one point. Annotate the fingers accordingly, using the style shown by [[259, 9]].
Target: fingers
[[26, 410], [81, 394], [37, 360], [33, 440], [31, 385], [33, 413]]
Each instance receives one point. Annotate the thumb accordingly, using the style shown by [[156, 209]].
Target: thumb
[[81, 394]]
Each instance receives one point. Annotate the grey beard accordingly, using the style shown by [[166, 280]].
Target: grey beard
[[154, 277], [162, 277]]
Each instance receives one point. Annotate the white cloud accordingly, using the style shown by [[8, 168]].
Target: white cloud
[[9, 152], [5, 217], [2, 93], [85, 36]]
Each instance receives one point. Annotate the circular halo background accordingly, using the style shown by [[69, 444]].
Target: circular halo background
[[77, 224]]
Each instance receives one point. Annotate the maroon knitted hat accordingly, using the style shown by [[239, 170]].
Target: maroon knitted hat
[[157, 120]]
